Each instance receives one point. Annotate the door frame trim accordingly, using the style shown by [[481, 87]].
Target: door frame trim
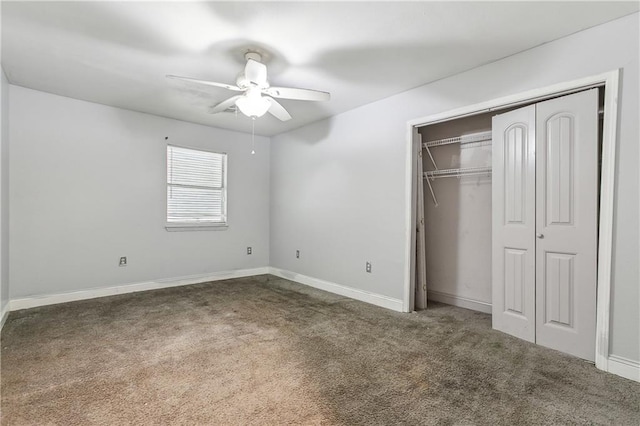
[[610, 81]]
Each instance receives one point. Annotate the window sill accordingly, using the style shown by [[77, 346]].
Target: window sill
[[180, 227]]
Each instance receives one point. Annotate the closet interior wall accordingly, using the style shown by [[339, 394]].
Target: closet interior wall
[[458, 229]]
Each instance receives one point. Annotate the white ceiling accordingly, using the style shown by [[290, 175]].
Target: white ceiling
[[118, 53]]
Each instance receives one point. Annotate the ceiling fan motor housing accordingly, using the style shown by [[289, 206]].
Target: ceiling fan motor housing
[[258, 75], [244, 83]]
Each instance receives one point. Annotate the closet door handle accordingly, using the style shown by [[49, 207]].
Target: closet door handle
[[538, 235]]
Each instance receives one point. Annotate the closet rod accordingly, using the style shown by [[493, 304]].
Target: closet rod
[[469, 171], [475, 137]]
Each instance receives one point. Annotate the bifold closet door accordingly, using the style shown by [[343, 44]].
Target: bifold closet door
[[545, 194], [566, 223], [421, 255], [513, 223]]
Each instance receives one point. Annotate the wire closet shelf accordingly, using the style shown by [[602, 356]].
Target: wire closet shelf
[[467, 171], [475, 138], [463, 140]]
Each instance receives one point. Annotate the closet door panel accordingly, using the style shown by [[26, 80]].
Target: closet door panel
[[515, 167], [566, 223], [513, 204], [559, 289], [560, 150], [515, 262]]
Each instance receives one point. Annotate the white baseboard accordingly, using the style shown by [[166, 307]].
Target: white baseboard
[[361, 295], [461, 302], [51, 299], [624, 367]]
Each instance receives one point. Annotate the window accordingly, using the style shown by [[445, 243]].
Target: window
[[196, 188]]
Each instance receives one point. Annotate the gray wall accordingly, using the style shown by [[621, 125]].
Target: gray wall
[[338, 185], [88, 185], [4, 192]]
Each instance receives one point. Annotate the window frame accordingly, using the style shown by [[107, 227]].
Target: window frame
[[195, 225]]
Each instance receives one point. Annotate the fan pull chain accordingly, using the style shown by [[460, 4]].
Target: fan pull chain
[[253, 136]]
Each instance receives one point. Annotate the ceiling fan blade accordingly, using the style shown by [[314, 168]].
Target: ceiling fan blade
[[205, 82], [278, 110], [299, 94], [224, 104], [256, 72]]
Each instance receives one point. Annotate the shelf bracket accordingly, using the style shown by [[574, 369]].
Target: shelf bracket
[[433, 195]]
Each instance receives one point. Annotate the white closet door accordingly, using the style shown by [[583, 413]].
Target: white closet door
[[513, 203], [566, 223], [421, 261]]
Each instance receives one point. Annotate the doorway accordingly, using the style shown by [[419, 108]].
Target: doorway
[[608, 81]]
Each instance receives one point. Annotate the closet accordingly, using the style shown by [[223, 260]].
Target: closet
[[456, 158], [511, 213]]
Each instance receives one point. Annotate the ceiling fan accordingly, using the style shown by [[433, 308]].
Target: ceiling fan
[[258, 96]]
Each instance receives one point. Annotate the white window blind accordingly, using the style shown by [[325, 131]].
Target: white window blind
[[196, 187]]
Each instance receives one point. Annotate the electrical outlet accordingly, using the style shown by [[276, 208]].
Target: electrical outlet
[[297, 254], [248, 250], [368, 267], [123, 261]]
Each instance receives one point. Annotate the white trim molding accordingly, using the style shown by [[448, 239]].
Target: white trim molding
[[605, 239], [624, 367], [610, 81], [353, 293], [4, 315], [462, 302], [52, 299]]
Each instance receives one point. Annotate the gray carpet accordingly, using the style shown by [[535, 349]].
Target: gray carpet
[[264, 350]]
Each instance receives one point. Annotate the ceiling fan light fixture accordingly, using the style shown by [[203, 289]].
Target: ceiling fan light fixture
[[253, 106], [258, 95]]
